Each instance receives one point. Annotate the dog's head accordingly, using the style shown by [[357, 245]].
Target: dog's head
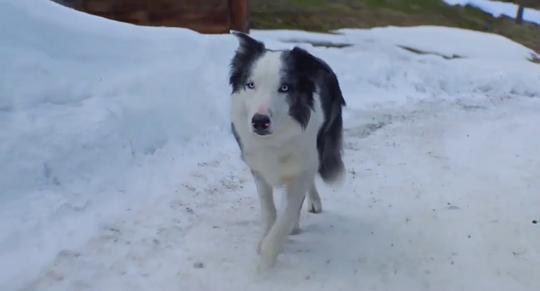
[[274, 88]]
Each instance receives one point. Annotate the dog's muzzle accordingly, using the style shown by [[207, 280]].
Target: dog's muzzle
[[261, 124]]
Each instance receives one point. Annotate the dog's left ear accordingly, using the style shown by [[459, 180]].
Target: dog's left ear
[[304, 59], [309, 63], [319, 71]]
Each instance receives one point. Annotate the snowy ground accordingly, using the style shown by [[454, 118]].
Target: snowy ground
[[119, 173], [498, 8]]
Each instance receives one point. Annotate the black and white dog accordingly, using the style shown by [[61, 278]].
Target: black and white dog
[[286, 118]]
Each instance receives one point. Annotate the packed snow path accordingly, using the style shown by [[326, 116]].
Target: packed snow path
[[118, 171], [438, 196]]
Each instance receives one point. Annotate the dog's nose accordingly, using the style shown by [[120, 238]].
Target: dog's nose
[[260, 123]]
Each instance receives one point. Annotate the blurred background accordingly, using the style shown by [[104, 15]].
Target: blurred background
[[518, 20], [119, 171]]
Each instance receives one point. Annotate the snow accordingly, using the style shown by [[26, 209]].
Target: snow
[[498, 8], [119, 171]]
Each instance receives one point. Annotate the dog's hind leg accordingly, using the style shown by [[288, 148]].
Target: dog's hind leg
[[314, 206], [296, 228], [272, 243], [268, 208], [314, 200]]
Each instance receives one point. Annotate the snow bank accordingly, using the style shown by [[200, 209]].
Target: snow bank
[[84, 102], [449, 63], [99, 118], [498, 8]]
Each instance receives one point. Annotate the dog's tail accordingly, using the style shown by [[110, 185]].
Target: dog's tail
[[329, 139], [331, 167], [333, 172]]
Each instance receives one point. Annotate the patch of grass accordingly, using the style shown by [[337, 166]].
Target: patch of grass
[[319, 15]]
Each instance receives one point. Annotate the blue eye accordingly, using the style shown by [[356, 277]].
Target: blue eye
[[250, 85], [284, 88]]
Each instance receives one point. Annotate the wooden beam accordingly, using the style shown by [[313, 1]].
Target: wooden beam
[[519, 15], [239, 15]]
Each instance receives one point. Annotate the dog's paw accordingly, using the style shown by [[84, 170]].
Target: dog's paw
[[259, 245], [295, 231], [315, 206], [268, 252], [266, 262]]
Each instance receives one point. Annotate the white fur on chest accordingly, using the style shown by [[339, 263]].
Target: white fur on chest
[[280, 157], [278, 165]]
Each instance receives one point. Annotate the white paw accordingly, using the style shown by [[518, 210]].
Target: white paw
[[295, 231], [259, 245], [266, 263], [315, 206], [269, 253]]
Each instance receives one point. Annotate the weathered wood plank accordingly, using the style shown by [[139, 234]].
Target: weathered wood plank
[[207, 16]]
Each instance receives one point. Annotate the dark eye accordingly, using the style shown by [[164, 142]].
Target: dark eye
[[250, 85], [284, 88]]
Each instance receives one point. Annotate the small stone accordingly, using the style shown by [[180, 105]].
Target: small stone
[[535, 221], [198, 265]]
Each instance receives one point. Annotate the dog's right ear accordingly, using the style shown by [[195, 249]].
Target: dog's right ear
[[248, 51], [247, 44]]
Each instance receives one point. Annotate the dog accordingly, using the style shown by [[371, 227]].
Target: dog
[[286, 118]]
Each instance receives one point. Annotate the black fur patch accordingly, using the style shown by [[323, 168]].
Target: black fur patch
[[298, 77], [306, 74], [248, 51]]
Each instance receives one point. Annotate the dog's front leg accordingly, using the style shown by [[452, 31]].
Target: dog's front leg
[[268, 208], [272, 243]]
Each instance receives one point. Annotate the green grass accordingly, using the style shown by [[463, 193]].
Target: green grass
[[319, 15]]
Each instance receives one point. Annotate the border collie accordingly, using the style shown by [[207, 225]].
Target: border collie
[[286, 117]]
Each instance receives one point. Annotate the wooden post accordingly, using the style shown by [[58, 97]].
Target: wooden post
[[521, 8], [239, 15], [519, 16]]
